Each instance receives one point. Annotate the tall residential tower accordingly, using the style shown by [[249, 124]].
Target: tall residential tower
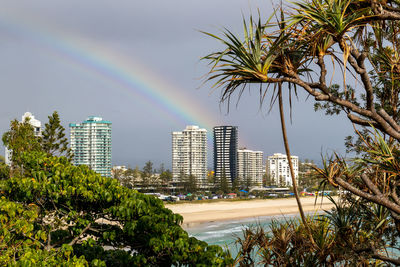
[[91, 144], [250, 167], [279, 171], [225, 152], [189, 154]]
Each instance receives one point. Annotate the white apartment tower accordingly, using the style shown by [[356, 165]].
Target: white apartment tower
[[189, 153], [91, 144], [250, 166], [37, 128], [279, 171]]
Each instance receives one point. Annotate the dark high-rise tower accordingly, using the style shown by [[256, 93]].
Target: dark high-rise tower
[[225, 152]]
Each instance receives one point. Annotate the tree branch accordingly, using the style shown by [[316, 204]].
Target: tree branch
[[384, 258], [380, 122], [376, 199], [357, 120], [389, 119], [358, 64], [34, 240], [371, 186], [322, 96], [394, 194], [79, 236], [385, 126], [386, 15], [322, 76], [48, 247]]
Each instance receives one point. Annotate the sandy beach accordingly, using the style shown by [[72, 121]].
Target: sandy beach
[[196, 213]]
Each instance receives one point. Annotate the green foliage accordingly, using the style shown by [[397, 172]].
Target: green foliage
[[60, 214], [267, 180], [147, 175], [341, 238], [54, 141], [308, 179], [166, 176], [302, 48], [333, 108], [131, 177], [148, 169], [190, 184], [247, 183], [235, 185], [120, 175], [223, 183], [20, 138], [4, 170]]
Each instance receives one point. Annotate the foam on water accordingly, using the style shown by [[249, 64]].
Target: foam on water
[[218, 233], [224, 233]]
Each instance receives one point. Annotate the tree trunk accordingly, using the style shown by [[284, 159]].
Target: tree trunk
[[286, 143]]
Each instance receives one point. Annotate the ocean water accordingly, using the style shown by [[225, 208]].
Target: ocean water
[[224, 233]]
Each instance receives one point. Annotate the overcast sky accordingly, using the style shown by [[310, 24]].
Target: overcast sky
[[136, 64]]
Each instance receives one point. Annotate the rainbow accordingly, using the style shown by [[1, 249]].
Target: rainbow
[[133, 76]]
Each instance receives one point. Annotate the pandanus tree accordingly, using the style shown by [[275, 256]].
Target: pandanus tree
[[300, 46]]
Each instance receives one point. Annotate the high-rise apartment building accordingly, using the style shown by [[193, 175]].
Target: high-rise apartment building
[[91, 144], [225, 152], [189, 154], [37, 128], [279, 171], [250, 166]]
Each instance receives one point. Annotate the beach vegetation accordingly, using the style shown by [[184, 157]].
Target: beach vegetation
[[147, 180], [4, 170], [19, 139], [147, 175], [223, 183], [235, 185], [166, 176], [190, 185], [22, 138], [302, 47], [129, 178], [53, 139], [55, 214], [286, 243], [353, 233], [308, 180], [268, 180]]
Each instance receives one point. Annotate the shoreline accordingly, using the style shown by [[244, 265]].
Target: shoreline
[[195, 214]]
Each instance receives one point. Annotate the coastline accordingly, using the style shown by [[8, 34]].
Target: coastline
[[200, 213]]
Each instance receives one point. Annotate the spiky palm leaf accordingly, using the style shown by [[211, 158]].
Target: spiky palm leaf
[[329, 21], [259, 57]]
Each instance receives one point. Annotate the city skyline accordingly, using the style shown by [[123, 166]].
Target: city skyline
[[80, 129], [90, 143], [146, 80]]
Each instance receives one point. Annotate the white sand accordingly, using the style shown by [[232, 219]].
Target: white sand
[[195, 213]]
